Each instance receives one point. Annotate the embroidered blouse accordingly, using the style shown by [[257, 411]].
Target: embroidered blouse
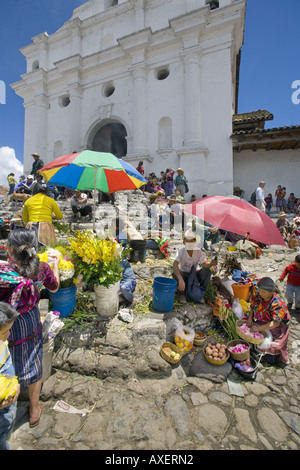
[[24, 294], [272, 310]]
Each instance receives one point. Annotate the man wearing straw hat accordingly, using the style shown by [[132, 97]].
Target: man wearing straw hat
[[181, 182], [37, 164], [188, 257]]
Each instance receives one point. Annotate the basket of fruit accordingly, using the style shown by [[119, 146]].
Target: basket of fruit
[[170, 353], [200, 338], [239, 349], [216, 353], [244, 332]]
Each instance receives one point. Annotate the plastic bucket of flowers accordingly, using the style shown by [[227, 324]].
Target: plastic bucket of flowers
[[98, 261]]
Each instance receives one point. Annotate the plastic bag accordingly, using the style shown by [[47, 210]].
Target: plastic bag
[[266, 342], [237, 309], [184, 338]]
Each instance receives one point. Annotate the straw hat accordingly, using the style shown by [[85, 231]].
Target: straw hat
[[172, 198], [35, 155], [190, 235], [179, 169], [282, 214]]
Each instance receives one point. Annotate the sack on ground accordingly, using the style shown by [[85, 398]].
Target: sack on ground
[[184, 338]]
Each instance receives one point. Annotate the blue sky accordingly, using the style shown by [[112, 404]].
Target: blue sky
[[269, 66]]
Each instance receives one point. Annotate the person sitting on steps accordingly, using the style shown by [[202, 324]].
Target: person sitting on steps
[[187, 257]]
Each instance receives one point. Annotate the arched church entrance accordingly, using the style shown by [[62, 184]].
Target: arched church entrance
[[111, 138]]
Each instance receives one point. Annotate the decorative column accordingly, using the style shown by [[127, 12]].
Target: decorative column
[[75, 118], [139, 133], [139, 15], [192, 100], [41, 109]]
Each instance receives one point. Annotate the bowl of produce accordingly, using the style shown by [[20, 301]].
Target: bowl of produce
[[239, 349], [200, 338], [170, 352], [244, 332], [216, 353]]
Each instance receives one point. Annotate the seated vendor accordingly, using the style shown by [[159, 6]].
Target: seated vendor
[[282, 221], [187, 257], [127, 284], [210, 233], [270, 313]]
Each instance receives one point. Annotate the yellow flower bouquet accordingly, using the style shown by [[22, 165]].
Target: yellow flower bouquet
[[97, 260], [66, 266]]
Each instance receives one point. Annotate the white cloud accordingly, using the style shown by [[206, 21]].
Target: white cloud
[[9, 164]]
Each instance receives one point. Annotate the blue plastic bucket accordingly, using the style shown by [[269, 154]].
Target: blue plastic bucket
[[64, 300], [164, 289]]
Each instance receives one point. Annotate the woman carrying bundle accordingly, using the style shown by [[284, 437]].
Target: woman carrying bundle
[[20, 282]]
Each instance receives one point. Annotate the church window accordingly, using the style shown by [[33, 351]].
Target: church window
[[110, 3], [35, 65], [162, 73], [165, 133], [64, 101], [108, 90], [213, 4], [58, 149]]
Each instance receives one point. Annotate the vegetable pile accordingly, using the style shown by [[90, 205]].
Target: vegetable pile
[[216, 351]]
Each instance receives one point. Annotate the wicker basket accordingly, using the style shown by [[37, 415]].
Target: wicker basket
[[248, 338], [200, 338], [165, 354], [239, 356], [213, 340]]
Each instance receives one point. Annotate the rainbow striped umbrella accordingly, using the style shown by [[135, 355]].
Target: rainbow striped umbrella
[[88, 170]]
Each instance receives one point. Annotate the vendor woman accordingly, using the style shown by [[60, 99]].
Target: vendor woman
[[270, 313]]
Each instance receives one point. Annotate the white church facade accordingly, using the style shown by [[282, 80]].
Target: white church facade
[[151, 80]]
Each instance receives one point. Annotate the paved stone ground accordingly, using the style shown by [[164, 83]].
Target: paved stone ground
[[165, 408]]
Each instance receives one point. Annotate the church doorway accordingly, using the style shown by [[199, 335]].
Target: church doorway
[[111, 138]]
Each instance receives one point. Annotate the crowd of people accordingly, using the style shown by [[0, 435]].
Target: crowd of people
[[281, 202], [22, 273], [290, 230]]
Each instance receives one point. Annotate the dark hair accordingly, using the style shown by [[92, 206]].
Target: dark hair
[[266, 283], [297, 259], [24, 244], [40, 188], [7, 314], [3, 253]]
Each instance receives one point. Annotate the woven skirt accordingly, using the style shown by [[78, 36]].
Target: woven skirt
[[26, 347]]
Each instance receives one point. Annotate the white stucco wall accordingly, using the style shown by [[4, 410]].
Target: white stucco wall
[[274, 167], [125, 46]]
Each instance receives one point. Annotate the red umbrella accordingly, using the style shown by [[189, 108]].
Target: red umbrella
[[235, 215]]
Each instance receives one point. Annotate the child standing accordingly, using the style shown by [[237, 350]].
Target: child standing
[[293, 283], [11, 183], [269, 203], [7, 408]]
